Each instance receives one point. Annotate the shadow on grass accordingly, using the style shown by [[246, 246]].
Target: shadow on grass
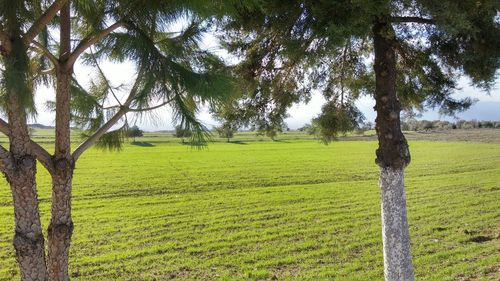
[[480, 239], [142, 143], [194, 144], [237, 142], [283, 141]]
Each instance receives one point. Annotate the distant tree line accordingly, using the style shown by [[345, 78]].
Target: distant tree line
[[426, 125], [410, 124]]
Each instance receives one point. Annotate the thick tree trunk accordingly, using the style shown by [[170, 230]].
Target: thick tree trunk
[[392, 157], [28, 237], [396, 237], [19, 163]]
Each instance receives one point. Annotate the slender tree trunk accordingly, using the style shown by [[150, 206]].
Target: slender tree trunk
[[61, 224], [392, 157], [28, 237]]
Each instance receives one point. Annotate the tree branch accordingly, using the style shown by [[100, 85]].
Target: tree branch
[[41, 154], [411, 20], [110, 107], [401, 51], [104, 128], [97, 134], [42, 21], [5, 159], [53, 59], [90, 40], [4, 127], [6, 44], [151, 108], [47, 71], [104, 76]]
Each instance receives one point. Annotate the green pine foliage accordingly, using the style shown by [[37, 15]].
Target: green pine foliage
[[290, 49], [335, 120], [113, 140], [172, 68]]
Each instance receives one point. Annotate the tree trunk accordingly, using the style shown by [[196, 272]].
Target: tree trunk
[[19, 166], [392, 157], [21, 175], [61, 223], [396, 237], [28, 237]]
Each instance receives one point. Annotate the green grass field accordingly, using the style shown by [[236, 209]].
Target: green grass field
[[288, 210]]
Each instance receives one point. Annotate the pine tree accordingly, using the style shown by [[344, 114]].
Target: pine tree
[[405, 54], [40, 43]]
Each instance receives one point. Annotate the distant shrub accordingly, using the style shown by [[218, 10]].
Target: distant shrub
[[475, 124], [442, 125], [134, 132], [405, 126], [487, 124], [460, 124], [467, 125], [226, 131], [182, 133], [426, 125]]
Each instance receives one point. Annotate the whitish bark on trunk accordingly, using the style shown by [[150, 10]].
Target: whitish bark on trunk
[[396, 237], [392, 156]]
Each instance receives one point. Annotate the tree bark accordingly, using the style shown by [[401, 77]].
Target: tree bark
[[61, 223], [19, 163], [28, 237], [392, 157], [21, 175], [396, 237]]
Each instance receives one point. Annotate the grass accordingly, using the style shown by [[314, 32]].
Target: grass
[[259, 210]]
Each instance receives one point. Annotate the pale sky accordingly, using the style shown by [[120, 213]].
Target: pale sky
[[488, 107]]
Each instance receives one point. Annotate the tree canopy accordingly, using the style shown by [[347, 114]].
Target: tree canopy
[[406, 54], [40, 42], [291, 49], [134, 132]]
